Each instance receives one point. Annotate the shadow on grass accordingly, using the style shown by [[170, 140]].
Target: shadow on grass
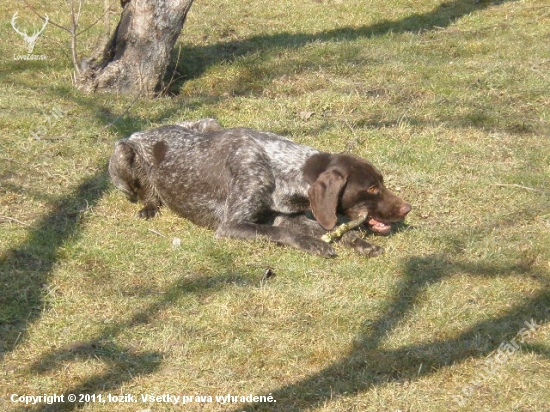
[[25, 269], [197, 59], [25, 272], [368, 365], [24, 275], [124, 363]]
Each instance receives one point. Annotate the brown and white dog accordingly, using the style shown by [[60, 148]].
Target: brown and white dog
[[245, 183]]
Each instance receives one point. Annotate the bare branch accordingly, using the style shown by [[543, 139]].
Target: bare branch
[[156, 232], [31, 8], [74, 25], [105, 13], [79, 12]]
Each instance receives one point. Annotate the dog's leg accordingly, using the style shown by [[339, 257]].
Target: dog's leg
[[300, 223], [249, 202], [281, 235], [241, 221]]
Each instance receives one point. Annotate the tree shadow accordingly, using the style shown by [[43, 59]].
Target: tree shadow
[[26, 268], [25, 271], [196, 60], [124, 363], [368, 364]]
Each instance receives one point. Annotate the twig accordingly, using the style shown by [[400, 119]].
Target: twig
[[342, 229], [165, 90], [74, 26], [12, 219], [17, 340], [79, 12], [105, 13], [123, 114], [156, 232], [31, 8], [521, 187]]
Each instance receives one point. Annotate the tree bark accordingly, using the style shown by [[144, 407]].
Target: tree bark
[[135, 59]]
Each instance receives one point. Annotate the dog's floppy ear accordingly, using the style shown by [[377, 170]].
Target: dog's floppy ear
[[159, 152], [324, 194]]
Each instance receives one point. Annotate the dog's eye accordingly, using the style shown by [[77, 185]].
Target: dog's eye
[[373, 190]]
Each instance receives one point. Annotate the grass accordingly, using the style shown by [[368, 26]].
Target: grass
[[450, 100]]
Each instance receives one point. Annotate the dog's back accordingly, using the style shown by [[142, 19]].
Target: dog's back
[[199, 171], [238, 181]]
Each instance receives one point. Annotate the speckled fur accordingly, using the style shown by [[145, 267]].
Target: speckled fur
[[240, 182]]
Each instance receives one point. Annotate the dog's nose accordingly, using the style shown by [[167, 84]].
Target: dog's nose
[[406, 208]]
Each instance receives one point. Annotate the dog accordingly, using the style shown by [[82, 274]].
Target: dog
[[244, 183]]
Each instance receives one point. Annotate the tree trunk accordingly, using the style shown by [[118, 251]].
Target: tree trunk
[[135, 59]]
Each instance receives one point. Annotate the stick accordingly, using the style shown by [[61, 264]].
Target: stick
[[12, 219], [49, 21], [520, 187], [340, 230], [156, 232], [122, 115]]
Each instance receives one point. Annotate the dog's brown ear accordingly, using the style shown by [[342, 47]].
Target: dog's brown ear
[[323, 197], [159, 152]]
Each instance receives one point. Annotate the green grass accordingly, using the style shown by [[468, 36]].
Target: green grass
[[450, 100]]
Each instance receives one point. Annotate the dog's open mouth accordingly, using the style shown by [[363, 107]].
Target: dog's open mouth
[[377, 226]]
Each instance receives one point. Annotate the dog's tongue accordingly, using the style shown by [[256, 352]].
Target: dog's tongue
[[377, 226]]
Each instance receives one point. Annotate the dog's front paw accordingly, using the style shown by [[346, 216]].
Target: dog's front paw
[[371, 250], [148, 212], [367, 249], [362, 246]]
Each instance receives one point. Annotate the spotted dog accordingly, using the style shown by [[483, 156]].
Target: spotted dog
[[244, 183]]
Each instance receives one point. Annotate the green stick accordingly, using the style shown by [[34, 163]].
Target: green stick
[[340, 230]]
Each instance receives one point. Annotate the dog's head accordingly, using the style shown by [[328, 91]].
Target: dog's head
[[348, 185]]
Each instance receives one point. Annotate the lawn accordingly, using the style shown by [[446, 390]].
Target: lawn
[[450, 100]]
